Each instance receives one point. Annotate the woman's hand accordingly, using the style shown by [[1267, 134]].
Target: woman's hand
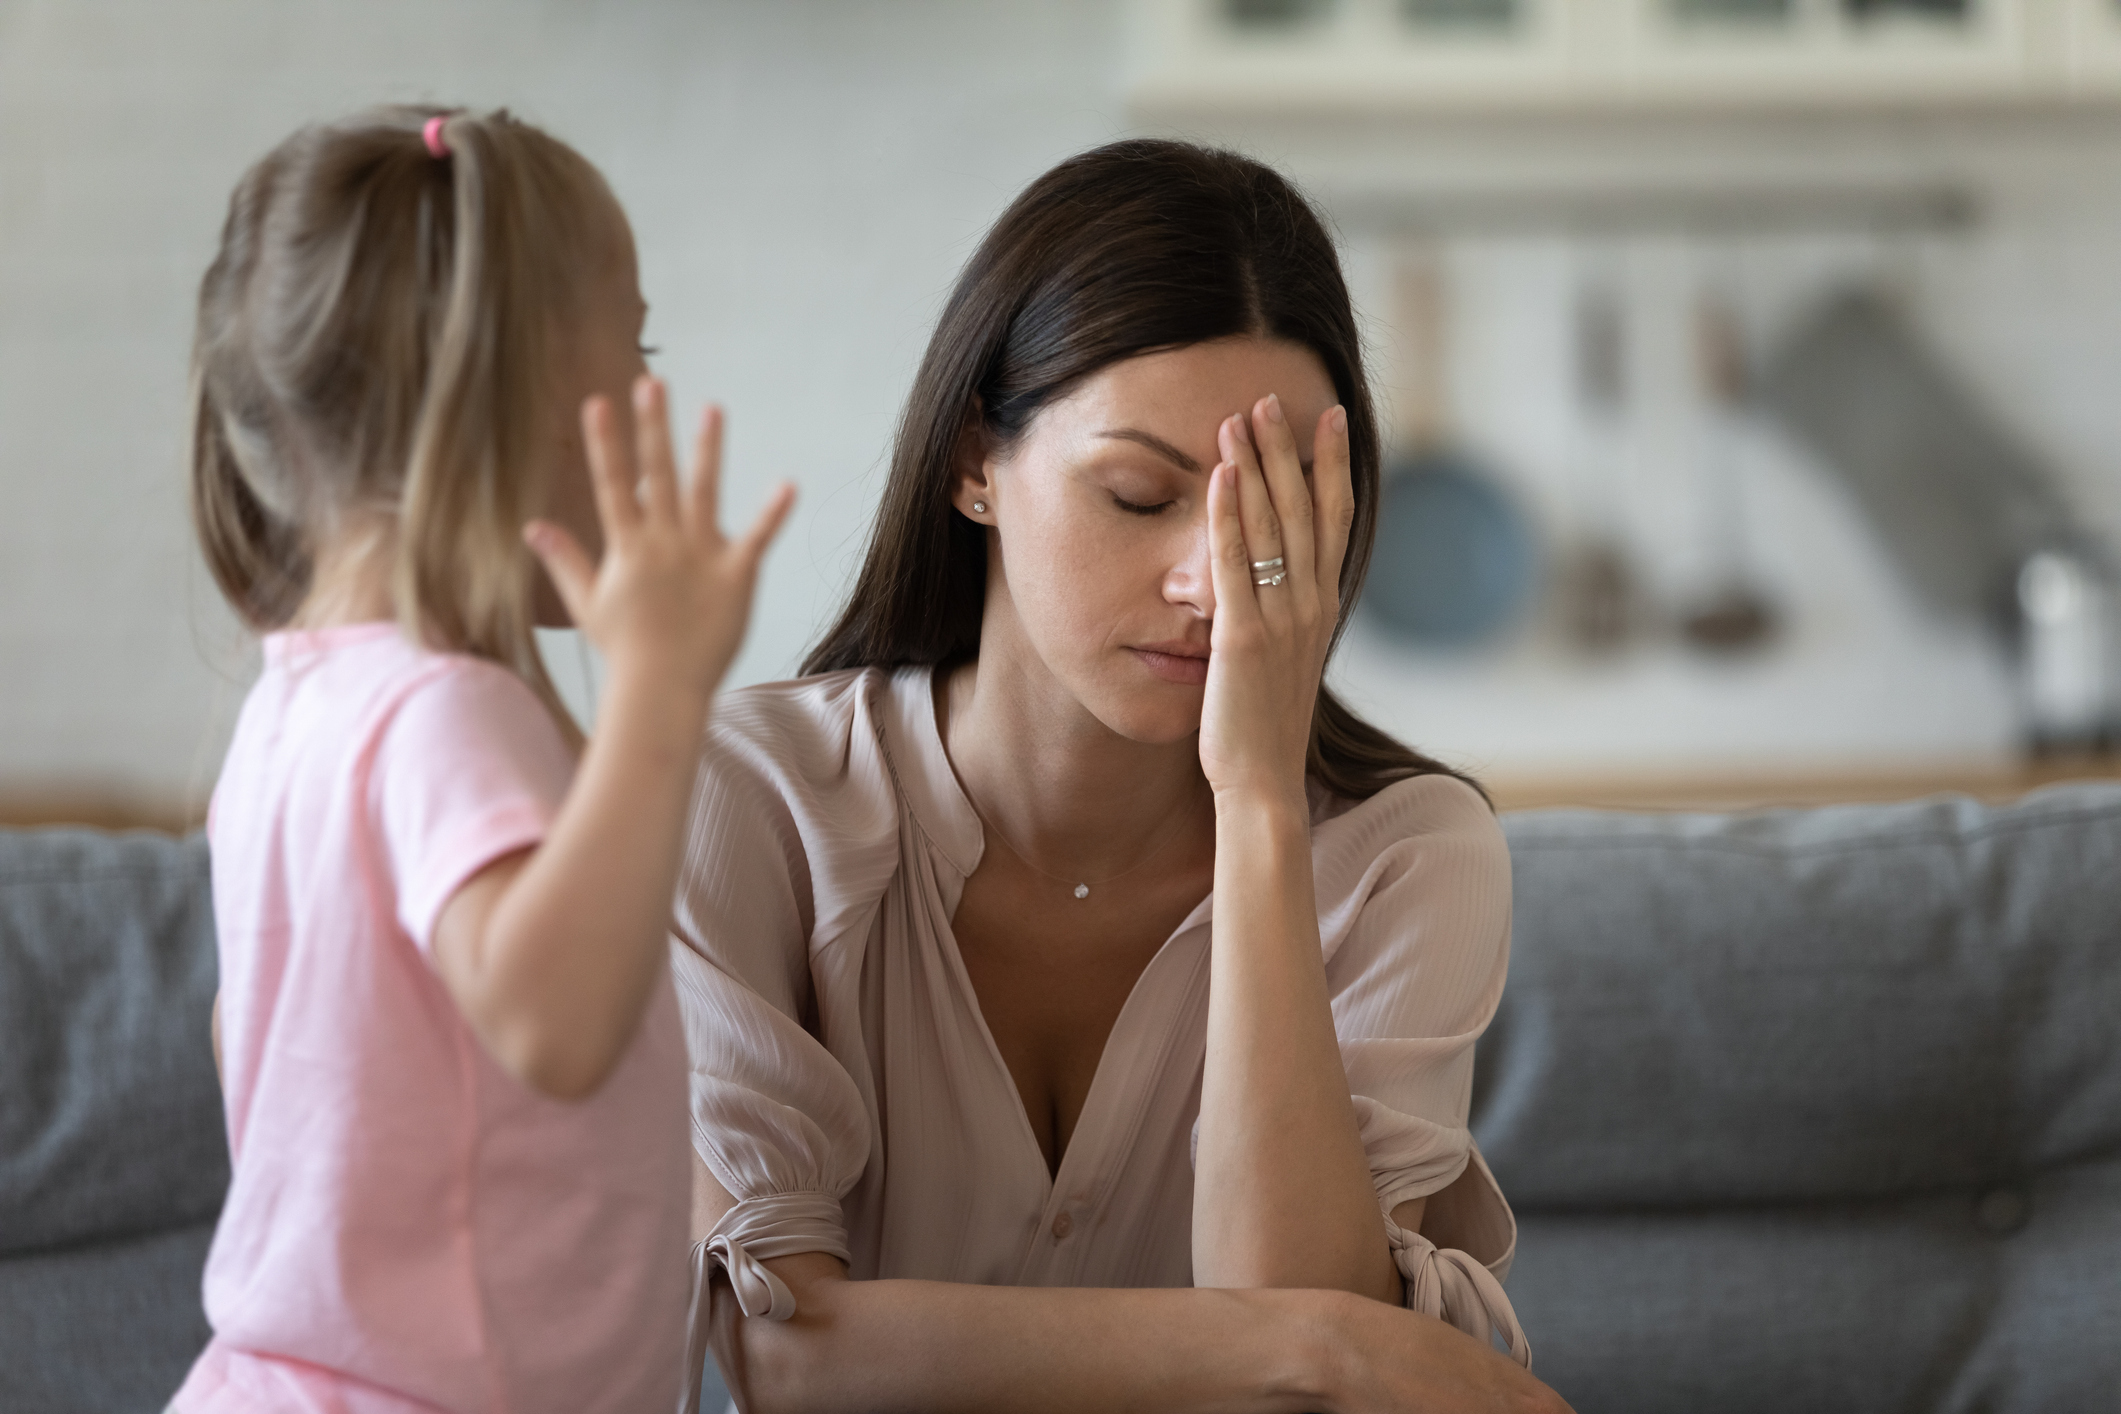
[[1268, 646], [672, 593]]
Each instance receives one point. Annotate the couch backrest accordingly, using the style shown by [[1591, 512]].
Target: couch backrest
[[110, 1115], [1798, 1005], [1816, 1109]]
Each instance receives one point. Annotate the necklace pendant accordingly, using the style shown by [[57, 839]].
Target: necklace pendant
[[1082, 891]]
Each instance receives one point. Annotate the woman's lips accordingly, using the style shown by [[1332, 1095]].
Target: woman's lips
[[1175, 663]]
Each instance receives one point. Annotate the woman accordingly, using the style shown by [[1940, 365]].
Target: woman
[[987, 1115]]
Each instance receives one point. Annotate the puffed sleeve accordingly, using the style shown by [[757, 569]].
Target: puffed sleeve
[[775, 1117], [1414, 895]]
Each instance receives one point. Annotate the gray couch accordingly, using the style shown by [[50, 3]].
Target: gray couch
[[1802, 1110], [1816, 1110], [112, 1160]]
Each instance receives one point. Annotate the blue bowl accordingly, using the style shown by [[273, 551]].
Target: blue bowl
[[1456, 559]]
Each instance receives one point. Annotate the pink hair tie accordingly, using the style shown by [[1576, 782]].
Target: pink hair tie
[[432, 135]]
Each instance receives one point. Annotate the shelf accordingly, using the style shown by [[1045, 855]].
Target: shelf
[[1191, 58], [100, 810], [1992, 782], [1619, 209]]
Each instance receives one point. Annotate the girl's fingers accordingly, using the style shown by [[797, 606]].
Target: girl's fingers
[[651, 436], [769, 522], [1283, 475], [609, 469], [1255, 507], [573, 573], [1229, 559], [703, 497], [1333, 493]]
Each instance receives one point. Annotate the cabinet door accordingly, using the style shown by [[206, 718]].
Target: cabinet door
[[1399, 54], [1835, 51], [1471, 55], [2094, 47]]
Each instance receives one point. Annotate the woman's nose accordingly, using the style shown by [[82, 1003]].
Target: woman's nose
[[1189, 580]]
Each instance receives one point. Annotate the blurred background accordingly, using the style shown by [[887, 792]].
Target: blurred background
[[1752, 367]]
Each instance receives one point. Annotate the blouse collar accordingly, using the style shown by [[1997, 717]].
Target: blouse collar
[[926, 781], [929, 785]]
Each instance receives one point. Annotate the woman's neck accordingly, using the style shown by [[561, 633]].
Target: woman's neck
[[1065, 791]]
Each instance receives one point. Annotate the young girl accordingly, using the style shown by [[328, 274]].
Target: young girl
[[455, 1075]]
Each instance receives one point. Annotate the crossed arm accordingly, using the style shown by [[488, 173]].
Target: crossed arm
[[927, 1347]]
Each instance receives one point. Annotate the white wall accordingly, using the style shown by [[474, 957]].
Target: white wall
[[805, 178]]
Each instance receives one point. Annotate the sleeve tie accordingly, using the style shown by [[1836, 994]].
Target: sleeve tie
[[758, 1290], [775, 1225], [1455, 1288]]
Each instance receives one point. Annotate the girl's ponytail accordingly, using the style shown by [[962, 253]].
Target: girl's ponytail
[[463, 576]]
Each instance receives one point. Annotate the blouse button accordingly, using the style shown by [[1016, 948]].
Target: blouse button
[[1062, 1226]]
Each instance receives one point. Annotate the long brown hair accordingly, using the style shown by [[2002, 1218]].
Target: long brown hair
[[1133, 247], [376, 336]]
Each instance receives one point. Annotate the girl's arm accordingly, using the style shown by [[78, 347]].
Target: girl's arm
[[551, 954], [1282, 1193], [937, 1347]]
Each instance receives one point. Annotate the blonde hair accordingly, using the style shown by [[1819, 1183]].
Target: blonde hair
[[376, 336]]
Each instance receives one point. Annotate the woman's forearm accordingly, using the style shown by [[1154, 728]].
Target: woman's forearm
[[1282, 1195], [935, 1347], [926, 1347]]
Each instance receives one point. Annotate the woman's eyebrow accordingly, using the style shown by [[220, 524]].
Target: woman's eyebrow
[[1155, 444]]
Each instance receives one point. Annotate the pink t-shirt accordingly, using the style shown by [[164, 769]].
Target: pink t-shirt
[[408, 1227]]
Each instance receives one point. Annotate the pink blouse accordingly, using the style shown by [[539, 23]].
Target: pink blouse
[[847, 1094]]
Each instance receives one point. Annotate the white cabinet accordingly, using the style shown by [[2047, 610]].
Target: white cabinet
[[1492, 55], [2092, 45]]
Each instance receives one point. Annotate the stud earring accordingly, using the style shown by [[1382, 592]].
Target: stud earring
[[979, 507]]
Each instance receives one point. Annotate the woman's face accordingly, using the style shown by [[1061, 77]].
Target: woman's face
[[1098, 583]]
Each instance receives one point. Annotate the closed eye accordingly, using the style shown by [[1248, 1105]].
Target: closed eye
[[1133, 509]]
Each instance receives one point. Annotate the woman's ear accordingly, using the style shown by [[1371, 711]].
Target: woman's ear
[[972, 489]]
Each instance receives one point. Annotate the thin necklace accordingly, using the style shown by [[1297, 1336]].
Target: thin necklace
[[1081, 888]]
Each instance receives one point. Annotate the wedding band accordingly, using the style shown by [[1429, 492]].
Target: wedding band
[[1271, 580], [1267, 566]]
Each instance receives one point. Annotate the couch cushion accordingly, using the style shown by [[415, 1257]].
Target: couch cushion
[[112, 1328], [1800, 1006], [1997, 1303], [110, 1115]]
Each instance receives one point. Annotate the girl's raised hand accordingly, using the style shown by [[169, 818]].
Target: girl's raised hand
[[672, 594], [1268, 646]]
